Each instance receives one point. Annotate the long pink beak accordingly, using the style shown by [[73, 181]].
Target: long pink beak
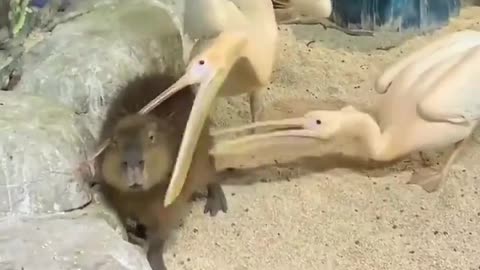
[[293, 127], [204, 98], [272, 124], [183, 82]]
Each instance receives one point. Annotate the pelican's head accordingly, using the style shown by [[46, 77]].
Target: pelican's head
[[211, 64], [199, 70], [321, 125]]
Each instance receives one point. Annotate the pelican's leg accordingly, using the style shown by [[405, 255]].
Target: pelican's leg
[[356, 32], [423, 158], [285, 16], [256, 106], [431, 182], [290, 16], [292, 20]]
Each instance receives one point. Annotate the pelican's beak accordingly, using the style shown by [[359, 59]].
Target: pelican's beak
[[204, 98], [272, 124], [183, 82], [225, 50], [293, 128]]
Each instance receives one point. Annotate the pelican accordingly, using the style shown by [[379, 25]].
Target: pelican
[[442, 48], [234, 54], [206, 19], [310, 12], [432, 102]]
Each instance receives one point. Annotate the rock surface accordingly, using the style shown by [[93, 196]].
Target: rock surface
[[84, 61], [50, 119], [74, 241], [40, 142]]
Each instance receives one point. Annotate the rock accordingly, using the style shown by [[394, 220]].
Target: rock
[[44, 11], [177, 8], [4, 22], [84, 61], [72, 241], [50, 120], [41, 141]]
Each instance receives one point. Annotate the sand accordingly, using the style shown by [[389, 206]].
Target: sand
[[322, 213]]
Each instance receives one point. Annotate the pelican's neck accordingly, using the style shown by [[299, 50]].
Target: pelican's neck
[[257, 11], [363, 126], [227, 48]]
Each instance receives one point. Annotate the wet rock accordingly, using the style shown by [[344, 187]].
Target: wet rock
[[84, 61], [40, 142], [73, 241]]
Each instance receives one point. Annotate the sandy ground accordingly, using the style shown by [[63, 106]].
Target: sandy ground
[[321, 213]]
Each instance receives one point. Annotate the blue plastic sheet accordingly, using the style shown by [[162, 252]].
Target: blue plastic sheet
[[43, 3], [394, 14], [38, 3]]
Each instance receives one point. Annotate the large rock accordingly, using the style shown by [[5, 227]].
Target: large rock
[[41, 141], [50, 120], [74, 241], [79, 66], [83, 62]]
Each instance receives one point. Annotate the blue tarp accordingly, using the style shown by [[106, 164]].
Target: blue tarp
[[394, 14]]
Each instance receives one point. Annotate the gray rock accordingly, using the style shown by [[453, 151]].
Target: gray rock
[[84, 61], [40, 142], [61, 242], [50, 120]]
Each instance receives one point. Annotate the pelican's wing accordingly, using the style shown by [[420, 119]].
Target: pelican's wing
[[428, 56], [235, 18], [207, 18], [257, 12], [455, 97], [319, 9], [259, 55]]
